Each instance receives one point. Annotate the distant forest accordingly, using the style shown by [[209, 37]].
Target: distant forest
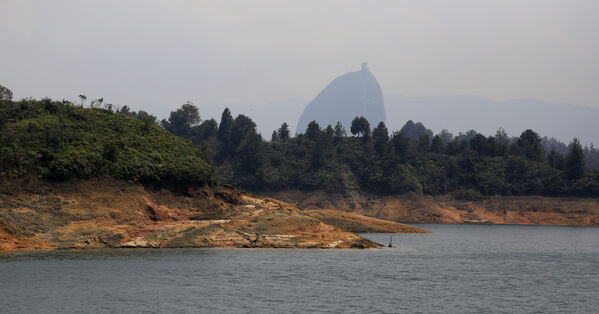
[[336, 159], [371, 159]]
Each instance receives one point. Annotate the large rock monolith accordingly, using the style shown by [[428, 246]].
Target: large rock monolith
[[348, 96]]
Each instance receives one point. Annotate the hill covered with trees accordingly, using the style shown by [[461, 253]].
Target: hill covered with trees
[[59, 140], [373, 160]]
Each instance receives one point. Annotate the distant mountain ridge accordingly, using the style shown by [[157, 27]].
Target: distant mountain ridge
[[459, 113], [456, 113]]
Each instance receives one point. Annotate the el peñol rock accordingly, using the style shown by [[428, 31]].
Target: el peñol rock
[[350, 95]]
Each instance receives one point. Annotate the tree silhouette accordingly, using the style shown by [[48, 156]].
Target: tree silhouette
[[360, 127], [313, 130], [5, 93], [380, 134], [575, 161], [283, 132]]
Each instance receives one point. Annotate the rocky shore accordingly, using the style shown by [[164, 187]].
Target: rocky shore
[[105, 213], [417, 208]]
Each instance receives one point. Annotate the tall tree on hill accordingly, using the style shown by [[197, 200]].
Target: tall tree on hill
[[329, 131], [380, 134], [529, 146], [224, 128], [249, 155], [502, 142], [313, 130], [283, 132], [241, 127], [205, 132], [339, 132], [247, 146], [360, 127], [400, 145], [575, 161], [182, 120]]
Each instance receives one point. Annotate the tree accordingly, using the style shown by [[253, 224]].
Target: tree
[[501, 142], [224, 128], [144, 116], [206, 131], [313, 130], [529, 146], [423, 143], [283, 132], [555, 159], [274, 137], [329, 132], [339, 131], [445, 136], [479, 144], [182, 120], [82, 99], [249, 156], [453, 147], [96, 103], [380, 134], [437, 144], [400, 145], [124, 110], [575, 161], [5, 93], [242, 126], [360, 127]]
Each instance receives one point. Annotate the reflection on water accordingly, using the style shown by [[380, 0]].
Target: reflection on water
[[458, 268]]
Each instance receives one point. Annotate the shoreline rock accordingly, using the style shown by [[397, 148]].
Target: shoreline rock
[[105, 213]]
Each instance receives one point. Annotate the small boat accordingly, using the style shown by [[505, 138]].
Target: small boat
[[390, 242]]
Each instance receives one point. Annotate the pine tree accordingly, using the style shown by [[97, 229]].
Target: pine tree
[[575, 161], [283, 132]]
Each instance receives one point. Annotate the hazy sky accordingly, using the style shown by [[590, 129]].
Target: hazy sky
[[158, 54]]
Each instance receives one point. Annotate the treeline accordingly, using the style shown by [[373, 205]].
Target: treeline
[[59, 140], [377, 161]]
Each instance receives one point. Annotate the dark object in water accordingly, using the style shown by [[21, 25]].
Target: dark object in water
[[390, 242]]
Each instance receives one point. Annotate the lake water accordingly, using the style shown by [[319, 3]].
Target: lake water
[[458, 268]]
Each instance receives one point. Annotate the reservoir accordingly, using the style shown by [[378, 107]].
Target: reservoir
[[457, 268]]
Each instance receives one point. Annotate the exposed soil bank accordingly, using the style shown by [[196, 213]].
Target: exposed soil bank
[[359, 223], [415, 208], [111, 214]]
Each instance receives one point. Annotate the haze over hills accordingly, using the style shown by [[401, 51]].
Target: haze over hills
[[456, 113], [268, 117], [353, 94], [459, 113]]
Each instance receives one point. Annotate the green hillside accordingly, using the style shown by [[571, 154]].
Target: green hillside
[[61, 141]]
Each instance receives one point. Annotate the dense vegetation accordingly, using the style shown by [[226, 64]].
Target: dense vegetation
[[59, 141], [410, 160]]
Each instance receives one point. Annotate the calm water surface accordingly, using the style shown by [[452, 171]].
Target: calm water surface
[[458, 268]]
